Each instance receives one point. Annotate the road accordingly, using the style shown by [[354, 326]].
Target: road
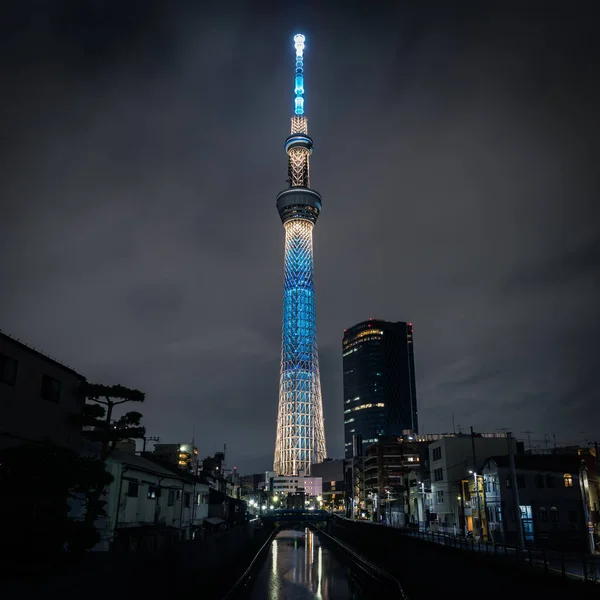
[[298, 567]]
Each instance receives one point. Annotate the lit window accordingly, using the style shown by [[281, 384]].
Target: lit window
[[568, 479]]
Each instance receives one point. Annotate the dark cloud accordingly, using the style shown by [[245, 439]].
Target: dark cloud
[[582, 261], [455, 151]]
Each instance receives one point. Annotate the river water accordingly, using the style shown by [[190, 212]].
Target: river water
[[298, 567]]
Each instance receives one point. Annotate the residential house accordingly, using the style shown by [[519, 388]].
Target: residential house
[[452, 461], [150, 505], [39, 395], [557, 496]]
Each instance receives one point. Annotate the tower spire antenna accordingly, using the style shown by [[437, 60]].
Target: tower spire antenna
[[300, 438], [299, 80]]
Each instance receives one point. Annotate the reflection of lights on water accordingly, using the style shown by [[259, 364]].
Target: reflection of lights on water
[[274, 557], [320, 572]]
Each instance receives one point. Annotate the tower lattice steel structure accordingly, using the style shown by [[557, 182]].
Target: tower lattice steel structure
[[300, 429]]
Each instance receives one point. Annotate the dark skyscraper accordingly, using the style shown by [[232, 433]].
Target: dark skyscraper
[[379, 381]]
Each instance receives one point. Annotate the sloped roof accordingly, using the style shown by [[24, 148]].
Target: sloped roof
[[139, 462], [17, 342]]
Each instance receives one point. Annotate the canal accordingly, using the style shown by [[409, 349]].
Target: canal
[[298, 567]]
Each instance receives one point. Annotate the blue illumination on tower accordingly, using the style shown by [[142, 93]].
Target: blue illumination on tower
[[300, 428], [299, 89]]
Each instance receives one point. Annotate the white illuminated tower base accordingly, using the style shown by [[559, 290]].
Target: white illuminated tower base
[[300, 428]]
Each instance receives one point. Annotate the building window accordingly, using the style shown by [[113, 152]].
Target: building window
[[50, 389], [186, 499], [508, 482], [8, 369], [439, 496], [198, 499], [539, 481], [543, 515], [171, 498], [132, 489], [568, 480], [554, 514], [493, 484], [520, 481], [438, 474], [437, 453], [549, 481], [153, 492]]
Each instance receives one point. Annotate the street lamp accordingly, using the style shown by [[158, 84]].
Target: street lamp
[[478, 504], [422, 484]]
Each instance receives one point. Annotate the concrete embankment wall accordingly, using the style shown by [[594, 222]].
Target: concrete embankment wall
[[430, 570]]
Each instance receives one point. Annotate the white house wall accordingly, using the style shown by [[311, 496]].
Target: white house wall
[[140, 510]]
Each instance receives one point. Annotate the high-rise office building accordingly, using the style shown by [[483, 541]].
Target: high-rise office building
[[380, 395], [300, 438]]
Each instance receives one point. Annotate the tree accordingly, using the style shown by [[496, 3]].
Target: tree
[[99, 426], [97, 417], [36, 482]]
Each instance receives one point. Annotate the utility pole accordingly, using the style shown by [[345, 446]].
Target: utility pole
[[476, 485], [149, 439], [513, 477], [528, 439]]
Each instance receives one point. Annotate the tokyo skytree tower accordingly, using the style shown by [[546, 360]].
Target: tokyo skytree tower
[[300, 429]]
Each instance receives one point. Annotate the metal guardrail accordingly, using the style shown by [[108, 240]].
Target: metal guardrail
[[368, 567], [569, 565], [245, 577]]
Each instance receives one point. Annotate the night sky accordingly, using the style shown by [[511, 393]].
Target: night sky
[[457, 154]]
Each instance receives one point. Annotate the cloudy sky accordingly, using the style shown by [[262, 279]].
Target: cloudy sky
[[456, 152]]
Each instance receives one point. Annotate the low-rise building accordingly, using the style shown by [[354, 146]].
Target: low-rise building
[[453, 460], [557, 497], [387, 465], [184, 455], [419, 511], [150, 505], [250, 484], [39, 397], [311, 486], [331, 473]]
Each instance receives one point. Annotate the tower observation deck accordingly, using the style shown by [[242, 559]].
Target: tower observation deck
[[300, 440]]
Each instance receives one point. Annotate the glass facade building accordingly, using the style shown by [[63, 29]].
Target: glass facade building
[[380, 395]]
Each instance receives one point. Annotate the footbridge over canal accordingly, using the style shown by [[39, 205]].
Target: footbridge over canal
[[287, 517]]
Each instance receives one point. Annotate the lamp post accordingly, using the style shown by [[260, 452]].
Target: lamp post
[[422, 494], [478, 505]]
